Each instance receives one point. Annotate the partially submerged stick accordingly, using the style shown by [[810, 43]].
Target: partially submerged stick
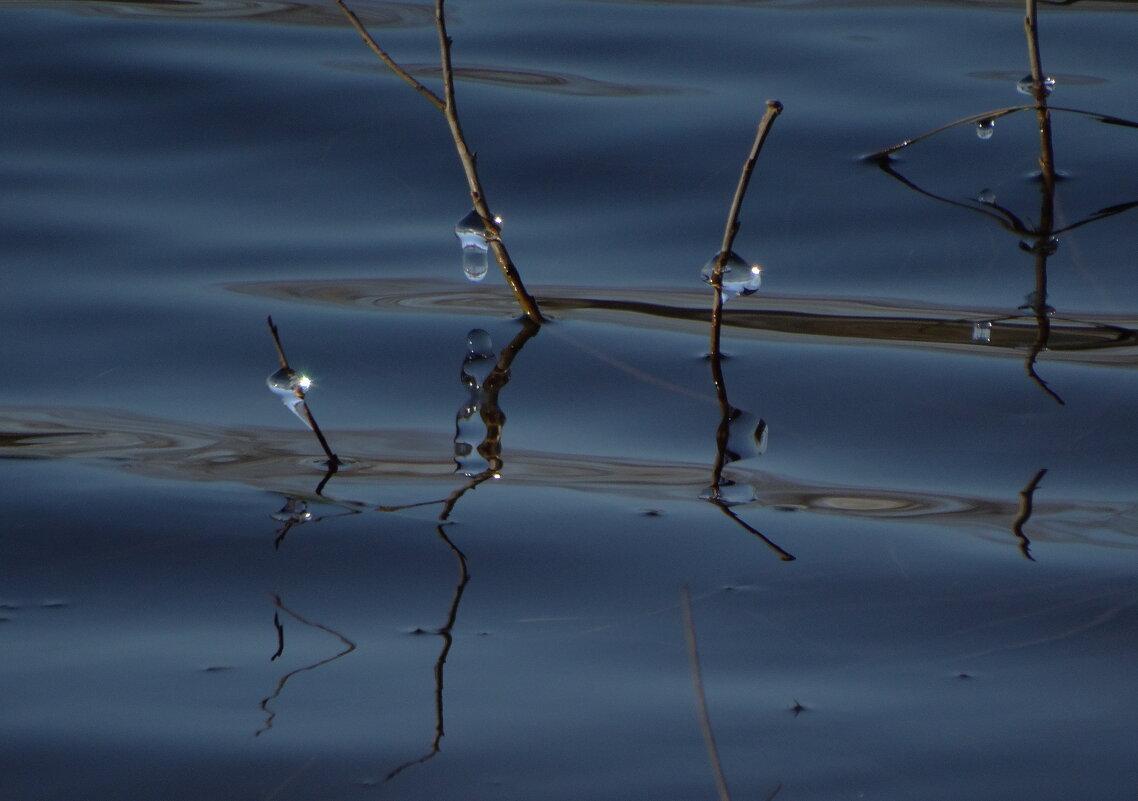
[[446, 104], [700, 698], [301, 407], [774, 108]]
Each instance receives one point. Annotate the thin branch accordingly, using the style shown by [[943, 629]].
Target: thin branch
[[435, 100], [774, 108], [306, 414], [700, 699], [470, 167], [447, 105]]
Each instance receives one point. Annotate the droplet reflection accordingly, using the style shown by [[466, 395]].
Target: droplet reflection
[[985, 129], [476, 367]]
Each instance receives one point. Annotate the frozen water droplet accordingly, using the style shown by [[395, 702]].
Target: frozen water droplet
[[985, 128], [738, 277], [987, 197], [1026, 85], [471, 233], [290, 386], [982, 331]]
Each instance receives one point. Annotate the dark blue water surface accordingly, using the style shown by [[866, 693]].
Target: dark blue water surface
[[919, 580]]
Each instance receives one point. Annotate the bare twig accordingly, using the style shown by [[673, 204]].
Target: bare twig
[[302, 405], [701, 699], [774, 108], [435, 100], [446, 104]]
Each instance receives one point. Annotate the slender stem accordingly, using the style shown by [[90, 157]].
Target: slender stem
[[1031, 27], [277, 342], [470, 167], [388, 60], [333, 459], [774, 108], [700, 698]]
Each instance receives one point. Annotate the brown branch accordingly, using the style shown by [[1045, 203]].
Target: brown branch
[[700, 698], [774, 108], [470, 167], [435, 100], [446, 104]]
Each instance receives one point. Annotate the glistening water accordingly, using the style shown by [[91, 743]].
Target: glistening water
[[902, 503]]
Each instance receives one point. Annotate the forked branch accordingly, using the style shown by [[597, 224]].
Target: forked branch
[[446, 104]]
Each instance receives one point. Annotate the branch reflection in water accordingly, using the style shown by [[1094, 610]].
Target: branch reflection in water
[[1040, 240], [730, 277], [349, 646], [483, 378]]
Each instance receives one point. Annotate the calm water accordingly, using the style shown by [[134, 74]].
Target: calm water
[[925, 583]]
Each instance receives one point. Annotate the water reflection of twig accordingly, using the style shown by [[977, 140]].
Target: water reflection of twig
[[349, 646], [446, 104], [486, 392], [1039, 240], [440, 663], [1026, 500], [701, 698]]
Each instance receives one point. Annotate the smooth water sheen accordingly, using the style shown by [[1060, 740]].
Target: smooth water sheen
[[902, 502]]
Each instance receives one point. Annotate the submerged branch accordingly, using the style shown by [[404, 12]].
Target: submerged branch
[[700, 698]]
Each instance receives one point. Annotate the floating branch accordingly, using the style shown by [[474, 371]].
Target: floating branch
[[446, 104]]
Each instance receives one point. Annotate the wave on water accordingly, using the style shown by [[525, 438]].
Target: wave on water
[[379, 461]]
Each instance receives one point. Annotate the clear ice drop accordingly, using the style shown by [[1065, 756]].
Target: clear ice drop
[[471, 233], [985, 128], [738, 278], [290, 386], [1026, 85]]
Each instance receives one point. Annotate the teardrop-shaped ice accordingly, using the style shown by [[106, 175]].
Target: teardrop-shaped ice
[[287, 381], [471, 233], [738, 277], [1026, 85], [985, 128], [290, 386]]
